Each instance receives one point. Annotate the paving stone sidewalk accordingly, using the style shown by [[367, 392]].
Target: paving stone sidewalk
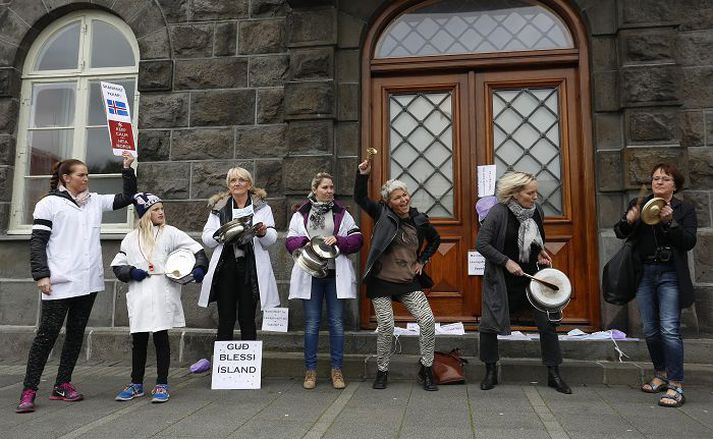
[[282, 409]]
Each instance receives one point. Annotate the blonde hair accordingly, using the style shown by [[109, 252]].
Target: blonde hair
[[511, 183], [390, 186], [317, 180], [147, 240], [244, 173]]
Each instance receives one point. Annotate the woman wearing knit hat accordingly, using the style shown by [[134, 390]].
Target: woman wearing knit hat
[[153, 300]]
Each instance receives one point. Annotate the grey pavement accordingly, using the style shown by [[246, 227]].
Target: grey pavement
[[282, 409]]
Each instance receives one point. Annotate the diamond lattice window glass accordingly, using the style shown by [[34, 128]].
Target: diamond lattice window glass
[[526, 137], [450, 27], [421, 149]]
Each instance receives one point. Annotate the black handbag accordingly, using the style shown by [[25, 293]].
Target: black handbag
[[621, 276]]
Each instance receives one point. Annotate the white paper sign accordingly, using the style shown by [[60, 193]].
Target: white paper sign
[[486, 180], [237, 365], [275, 319], [476, 263], [450, 329], [118, 117]]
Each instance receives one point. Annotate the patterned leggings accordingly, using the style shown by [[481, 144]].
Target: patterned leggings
[[77, 311], [417, 304]]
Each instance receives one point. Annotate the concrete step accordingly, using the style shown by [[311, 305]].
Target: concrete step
[[595, 360], [405, 367]]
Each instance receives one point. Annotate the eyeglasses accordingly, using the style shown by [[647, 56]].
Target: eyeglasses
[[661, 178]]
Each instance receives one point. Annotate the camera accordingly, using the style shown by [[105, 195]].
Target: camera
[[664, 253]]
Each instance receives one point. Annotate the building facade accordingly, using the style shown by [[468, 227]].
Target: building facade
[[586, 94]]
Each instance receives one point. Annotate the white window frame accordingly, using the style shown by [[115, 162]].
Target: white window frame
[[82, 75]]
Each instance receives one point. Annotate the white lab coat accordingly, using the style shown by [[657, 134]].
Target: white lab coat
[[301, 281], [154, 304], [269, 296], [74, 255]]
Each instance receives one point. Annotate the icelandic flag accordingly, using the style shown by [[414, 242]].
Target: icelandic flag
[[117, 107]]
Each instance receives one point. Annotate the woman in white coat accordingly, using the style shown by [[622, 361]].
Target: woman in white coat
[[66, 262], [320, 215], [239, 274], [153, 301]]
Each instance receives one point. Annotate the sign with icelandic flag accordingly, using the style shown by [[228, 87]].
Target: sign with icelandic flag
[[118, 118]]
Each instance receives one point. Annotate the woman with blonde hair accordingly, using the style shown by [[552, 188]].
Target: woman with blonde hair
[[321, 215], [512, 240], [240, 272], [153, 301]]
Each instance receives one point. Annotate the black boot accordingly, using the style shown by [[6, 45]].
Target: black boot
[[425, 377], [380, 380], [555, 381], [491, 376]]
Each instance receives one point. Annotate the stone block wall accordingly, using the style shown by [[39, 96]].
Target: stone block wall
[[653, 102], [275, 86]]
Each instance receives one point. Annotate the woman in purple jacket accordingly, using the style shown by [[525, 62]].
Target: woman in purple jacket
[[321, 215]]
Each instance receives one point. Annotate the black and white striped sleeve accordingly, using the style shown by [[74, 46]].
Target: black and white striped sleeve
[[41, 231]]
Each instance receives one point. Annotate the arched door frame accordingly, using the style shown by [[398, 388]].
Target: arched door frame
[[577, 57]]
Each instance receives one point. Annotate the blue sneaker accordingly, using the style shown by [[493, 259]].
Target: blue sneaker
[[130, 392], [160, 393]]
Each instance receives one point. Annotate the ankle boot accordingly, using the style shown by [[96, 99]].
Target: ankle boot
[[555, 381], [425, 377], [380, 380], [491, 376]]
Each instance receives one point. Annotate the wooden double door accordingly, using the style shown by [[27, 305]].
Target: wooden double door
[[432, 132]]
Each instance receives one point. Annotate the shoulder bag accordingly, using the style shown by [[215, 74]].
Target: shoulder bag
[[448, 367], [621, 276]]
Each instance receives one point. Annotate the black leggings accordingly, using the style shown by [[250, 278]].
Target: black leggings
[[138, 356], [549, 342], [77, 311], [235, 300]]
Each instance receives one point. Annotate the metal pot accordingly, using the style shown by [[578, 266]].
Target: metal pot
[[238, 230], [323, 250], [546, 299], [310, 262], [179, 266]]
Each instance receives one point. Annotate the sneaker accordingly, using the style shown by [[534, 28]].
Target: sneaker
[[130, 392], [160, 393], [27, 401], [66, 392], [310, 379], [338, 379]]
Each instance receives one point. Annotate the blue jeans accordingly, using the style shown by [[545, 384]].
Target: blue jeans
[[324, 288], [661, 318]]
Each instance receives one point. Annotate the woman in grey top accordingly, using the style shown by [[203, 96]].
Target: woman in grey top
[[402, 242]]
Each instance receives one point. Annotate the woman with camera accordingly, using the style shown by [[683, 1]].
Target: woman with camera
[[665, 286]]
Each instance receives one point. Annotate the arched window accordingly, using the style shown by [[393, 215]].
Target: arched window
[[61, 112], [451, 27]]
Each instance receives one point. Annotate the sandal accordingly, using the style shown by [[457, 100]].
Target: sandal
[[675, 399], [652, 387]]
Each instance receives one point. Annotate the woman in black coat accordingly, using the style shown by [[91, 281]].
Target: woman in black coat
[[665, 285], [402, 242], [512, 241]]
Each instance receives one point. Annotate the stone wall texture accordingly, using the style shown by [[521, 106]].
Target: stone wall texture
[[275, 86]]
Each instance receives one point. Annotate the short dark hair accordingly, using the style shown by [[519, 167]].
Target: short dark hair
[[672, 170]]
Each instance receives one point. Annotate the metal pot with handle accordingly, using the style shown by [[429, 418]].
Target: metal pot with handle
[[546, 299]]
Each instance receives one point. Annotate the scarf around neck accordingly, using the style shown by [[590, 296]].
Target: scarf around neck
[[319, 209], [528, 232], [81, 198]]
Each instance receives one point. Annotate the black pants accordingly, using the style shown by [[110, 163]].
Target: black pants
[[235, 299], [138, 356], [549, 342], [77, 311]]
